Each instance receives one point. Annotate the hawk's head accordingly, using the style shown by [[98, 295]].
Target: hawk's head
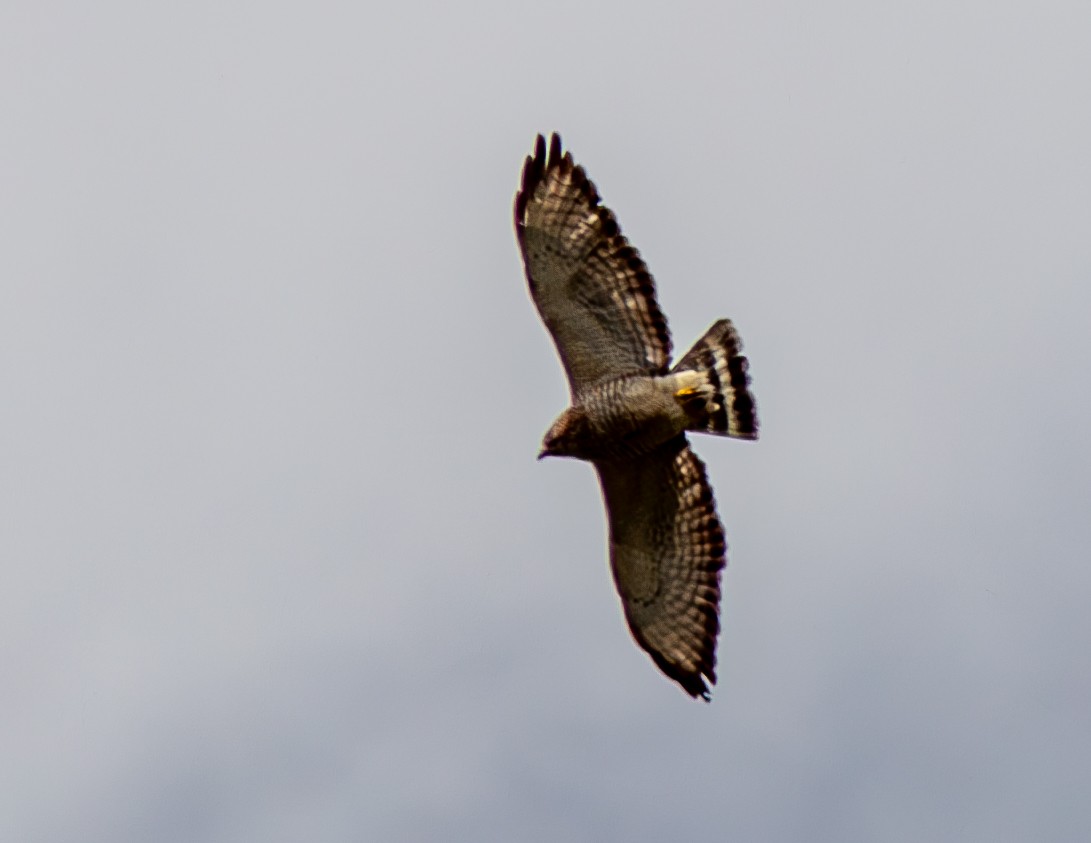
[[569, 436]]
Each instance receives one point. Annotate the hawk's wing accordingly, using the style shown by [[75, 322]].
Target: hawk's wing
[[667, 549], [591, 287]]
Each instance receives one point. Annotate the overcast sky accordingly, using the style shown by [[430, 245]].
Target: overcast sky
[[278, 563]]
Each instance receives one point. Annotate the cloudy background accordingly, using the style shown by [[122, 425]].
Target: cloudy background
[[277, 560]]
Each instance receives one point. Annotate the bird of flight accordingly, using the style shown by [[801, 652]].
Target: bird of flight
[[630, 411]]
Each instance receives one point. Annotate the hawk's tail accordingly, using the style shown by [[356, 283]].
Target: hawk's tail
[[718, 356]]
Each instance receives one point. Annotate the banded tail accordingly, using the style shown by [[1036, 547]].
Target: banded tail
[[718, 356]]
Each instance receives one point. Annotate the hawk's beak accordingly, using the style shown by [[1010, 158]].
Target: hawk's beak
[[542, 454]]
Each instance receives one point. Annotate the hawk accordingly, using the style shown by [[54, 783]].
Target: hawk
[[630, 410]]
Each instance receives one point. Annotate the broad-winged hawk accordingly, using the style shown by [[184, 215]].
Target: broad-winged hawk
[[630, 410]]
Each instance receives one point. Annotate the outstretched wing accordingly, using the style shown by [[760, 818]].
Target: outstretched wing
[[591, 287], [667, 549]]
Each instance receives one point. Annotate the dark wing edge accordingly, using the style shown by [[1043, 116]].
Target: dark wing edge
[[667, 552], [608, 323]]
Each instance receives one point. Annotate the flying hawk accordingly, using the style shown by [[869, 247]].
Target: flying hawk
[[631, 409]]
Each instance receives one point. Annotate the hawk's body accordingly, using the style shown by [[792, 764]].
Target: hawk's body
[[630, 412]]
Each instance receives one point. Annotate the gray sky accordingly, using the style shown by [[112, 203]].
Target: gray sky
[[278, 562]]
